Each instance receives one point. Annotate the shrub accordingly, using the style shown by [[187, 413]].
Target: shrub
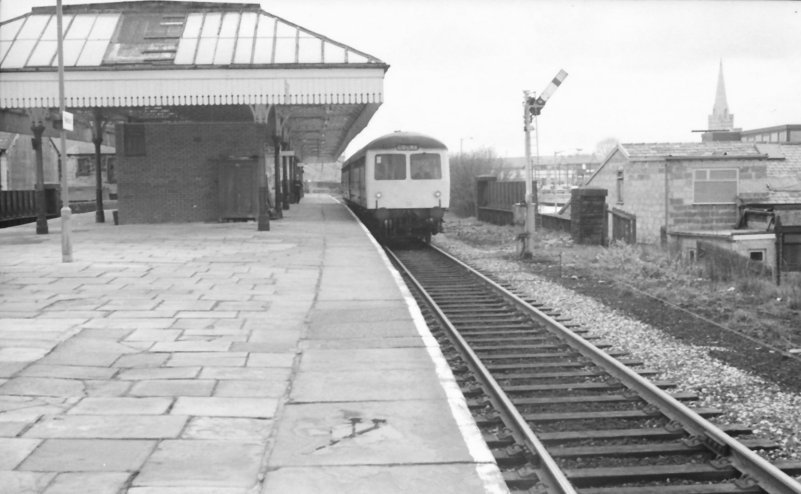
[[464, 168]]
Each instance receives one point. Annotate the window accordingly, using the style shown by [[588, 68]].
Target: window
[[425, 166], [714, 186], [134, 140], [756, 255], [86, 166], [620, 186], [390, 167]]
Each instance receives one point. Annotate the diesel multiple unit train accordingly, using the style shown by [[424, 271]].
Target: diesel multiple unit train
[[399, 185]]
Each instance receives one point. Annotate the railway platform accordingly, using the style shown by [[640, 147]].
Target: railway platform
[[217, 359]]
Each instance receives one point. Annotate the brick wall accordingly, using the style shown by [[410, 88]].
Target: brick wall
[[686, 215], [643, 193], [177, 178], [588, 216]]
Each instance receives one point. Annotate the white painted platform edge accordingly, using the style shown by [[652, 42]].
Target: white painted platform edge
[[486, 467]]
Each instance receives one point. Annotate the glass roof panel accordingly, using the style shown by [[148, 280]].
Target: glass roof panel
[[334, 53], [244, 50], [205, 51], [285, 50], [230, 24], [4, 46], [72, 49], [266, 26], [225, 51], [9, 31], [104, 26], [309, 50], [192, 27], [263, 52], [247, 26], [186, 51], [92, 54], [18, 54], [43, 54], [80, 27], [286, 31], [211, 26], [356, 58], [33, 27], [51, 31]]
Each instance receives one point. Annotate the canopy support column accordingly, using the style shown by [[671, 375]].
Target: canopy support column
[[97, 129], [285, 180], [38, 127], [277, 156]]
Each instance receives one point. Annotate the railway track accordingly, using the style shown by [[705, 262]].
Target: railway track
[[561, 414]]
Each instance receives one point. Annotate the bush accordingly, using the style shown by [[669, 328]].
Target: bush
[[464, 169]]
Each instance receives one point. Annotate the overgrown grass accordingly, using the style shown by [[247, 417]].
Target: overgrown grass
[[745, 299]]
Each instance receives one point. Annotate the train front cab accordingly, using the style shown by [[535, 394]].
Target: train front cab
[[409, 189]]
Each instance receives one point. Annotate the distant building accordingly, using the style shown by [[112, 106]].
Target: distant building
[[779, 133], [561, 171], [720, 124], [679, 193]]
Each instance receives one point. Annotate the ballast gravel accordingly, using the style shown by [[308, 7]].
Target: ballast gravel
[[772, 413]]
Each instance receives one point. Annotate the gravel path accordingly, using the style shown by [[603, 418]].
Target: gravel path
[[771, 410]]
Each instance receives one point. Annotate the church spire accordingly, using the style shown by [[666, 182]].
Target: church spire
[[721, 119]]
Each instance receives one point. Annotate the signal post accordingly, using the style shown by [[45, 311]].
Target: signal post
[[532, 107]]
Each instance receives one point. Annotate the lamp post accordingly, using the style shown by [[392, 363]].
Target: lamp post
[[66, 212]]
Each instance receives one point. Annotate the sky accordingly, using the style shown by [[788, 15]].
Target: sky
[[638, 71]]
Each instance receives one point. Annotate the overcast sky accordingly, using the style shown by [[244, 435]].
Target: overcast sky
[[639, 71]]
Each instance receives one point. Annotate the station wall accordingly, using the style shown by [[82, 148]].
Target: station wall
[[168, 172]]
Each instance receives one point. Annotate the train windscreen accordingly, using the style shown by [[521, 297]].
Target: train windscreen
[[425, 166], [390, 167]]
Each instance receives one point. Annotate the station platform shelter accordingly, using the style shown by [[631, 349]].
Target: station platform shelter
[[213, 358], [213, 108]]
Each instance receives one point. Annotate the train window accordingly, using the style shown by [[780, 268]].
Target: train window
[[425, 166], [390, 167]]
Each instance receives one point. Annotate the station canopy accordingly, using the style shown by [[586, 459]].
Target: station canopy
[[193, 61]]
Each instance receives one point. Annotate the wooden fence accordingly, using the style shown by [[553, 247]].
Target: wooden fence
[[495, 200], [21, 204], [788, 249], [624, 226]]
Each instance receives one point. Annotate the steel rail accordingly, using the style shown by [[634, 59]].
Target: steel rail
[[769, 477], [554, 479]]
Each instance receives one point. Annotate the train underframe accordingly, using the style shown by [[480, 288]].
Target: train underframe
[[399, 224]]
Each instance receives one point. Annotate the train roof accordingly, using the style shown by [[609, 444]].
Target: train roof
[[399, 138]]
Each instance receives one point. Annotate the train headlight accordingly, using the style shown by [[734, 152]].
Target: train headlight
[[437, 194]]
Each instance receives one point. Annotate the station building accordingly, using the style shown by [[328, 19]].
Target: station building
[[213, 108]]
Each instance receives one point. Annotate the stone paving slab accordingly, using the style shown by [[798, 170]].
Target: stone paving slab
[[202, 463], [89, 455], [216, 359], [369, 432], [394, 479]]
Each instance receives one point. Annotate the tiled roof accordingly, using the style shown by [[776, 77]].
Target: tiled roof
[[713, 149]]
